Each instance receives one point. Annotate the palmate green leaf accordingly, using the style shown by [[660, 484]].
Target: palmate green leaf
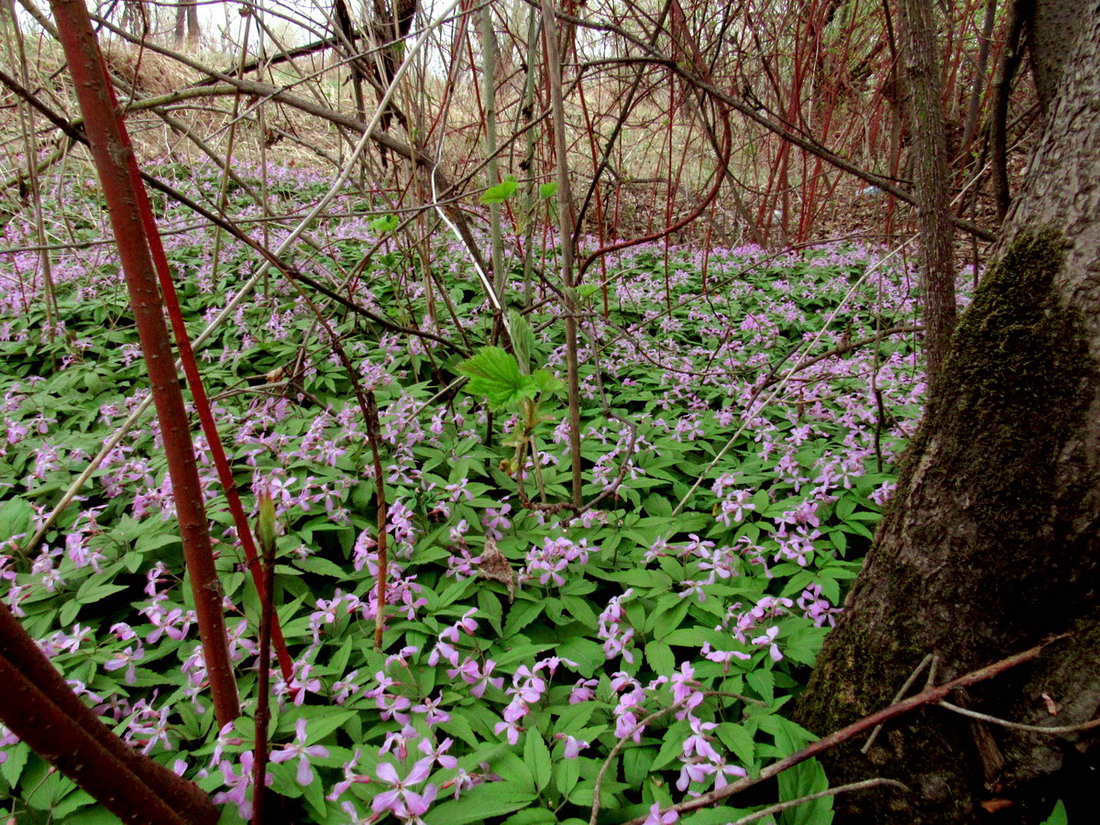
[[495, 374], [501, 192]]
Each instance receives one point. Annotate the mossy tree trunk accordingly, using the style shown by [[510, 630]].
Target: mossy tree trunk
[[991, 544]]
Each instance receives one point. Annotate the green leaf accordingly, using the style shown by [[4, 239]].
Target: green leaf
[[548, 190], [501, 192], [567, 772], [479, 803], [495, 374], [537, 757], [68, 612], [1058, 815], [94, 590], [763, 682], [802, 780], [385, 223], [523, 339], [532, 816], [660, 657], [738, 740], [547, 383], [637, 763], [319, 725], [321, 566], [13, 767], [16, 520]]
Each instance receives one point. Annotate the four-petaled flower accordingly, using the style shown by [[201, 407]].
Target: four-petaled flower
[[299, 749], [400, 799]]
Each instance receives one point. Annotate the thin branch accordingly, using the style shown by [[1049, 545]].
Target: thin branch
[[1058, 730], [866, 784], [930, 696], [917, 671]]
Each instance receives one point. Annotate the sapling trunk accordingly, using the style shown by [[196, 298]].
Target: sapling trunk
[[111, 152], [565, 233]]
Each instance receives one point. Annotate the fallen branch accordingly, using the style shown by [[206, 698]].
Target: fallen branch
[[779, 807], [930, 696]]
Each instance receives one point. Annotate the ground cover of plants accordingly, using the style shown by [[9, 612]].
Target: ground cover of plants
[[649, 649]]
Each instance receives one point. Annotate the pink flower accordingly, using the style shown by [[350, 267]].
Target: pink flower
[[305, 772], [573, 747], [657, 818], [400, 800]]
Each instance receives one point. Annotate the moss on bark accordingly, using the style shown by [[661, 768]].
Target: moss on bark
[[977, 557]]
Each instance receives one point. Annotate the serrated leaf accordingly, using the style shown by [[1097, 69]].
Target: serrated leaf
[[763, 682], [537, 757], [548, 190], [523, 339], [547, 383], [738, 740], [13, 766], [385, 223], [501, 192], [495, 374], [567, 772], [660, 657]]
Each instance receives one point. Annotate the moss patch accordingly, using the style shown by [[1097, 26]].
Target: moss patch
[[1012, 396], [974, 559]]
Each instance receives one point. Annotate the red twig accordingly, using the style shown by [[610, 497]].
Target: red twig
[[380, 499], [198, 389], [111, 154], [41, 709], [268, 621]]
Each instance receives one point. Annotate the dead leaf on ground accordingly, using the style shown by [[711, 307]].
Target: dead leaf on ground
[[493, 565]]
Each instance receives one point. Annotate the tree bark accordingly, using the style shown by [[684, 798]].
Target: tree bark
[[991, 542], [922, 103]]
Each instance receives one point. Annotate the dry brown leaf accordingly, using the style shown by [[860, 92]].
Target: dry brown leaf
[[992, 806], [1052, 706], [493, 565]]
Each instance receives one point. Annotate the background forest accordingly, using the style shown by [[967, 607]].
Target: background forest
[[480, 412]]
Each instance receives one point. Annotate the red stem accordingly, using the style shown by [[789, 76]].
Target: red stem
[[41, 709], [111, 154], [198, 391]]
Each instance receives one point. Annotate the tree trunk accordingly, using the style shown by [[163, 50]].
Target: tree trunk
[[991, 542], [923, 87], [187, 24]]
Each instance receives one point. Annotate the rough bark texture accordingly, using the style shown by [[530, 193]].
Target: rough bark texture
[[1053, 26], [924, 109], [991, 544]]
